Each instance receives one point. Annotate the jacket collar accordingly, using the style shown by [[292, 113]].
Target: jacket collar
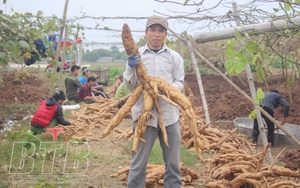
[[146, 48]]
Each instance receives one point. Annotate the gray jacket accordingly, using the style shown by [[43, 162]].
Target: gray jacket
[[272, 100]]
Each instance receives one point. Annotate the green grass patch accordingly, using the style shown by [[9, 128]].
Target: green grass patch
[[187, 157], [21, 148], [281, 164], [68, 113], [156, 156], [19, 139], [207, 154]]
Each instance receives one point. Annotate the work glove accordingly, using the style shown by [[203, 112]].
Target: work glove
[[133, 60]]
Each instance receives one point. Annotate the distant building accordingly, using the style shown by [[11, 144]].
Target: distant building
[[106, 59]]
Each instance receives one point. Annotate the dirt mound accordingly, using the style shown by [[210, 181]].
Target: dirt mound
[[225, 103], [23, 88], [291, 159]]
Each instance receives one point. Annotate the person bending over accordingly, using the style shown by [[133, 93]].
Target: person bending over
[[49, 114], [269, 103]]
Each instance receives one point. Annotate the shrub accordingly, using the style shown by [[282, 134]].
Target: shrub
[[114, 71], [186, 63]]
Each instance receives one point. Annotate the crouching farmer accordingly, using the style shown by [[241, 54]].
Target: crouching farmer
[[49, 114]]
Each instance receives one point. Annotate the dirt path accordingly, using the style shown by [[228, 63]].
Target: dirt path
[[109, 156]]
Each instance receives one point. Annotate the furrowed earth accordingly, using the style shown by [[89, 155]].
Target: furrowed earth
[[224, 104]]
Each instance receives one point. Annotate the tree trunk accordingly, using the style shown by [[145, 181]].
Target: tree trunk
[[282, 67], [202, 94], [58, 47], [251, 30], [253, 94], [247, 97], [63, 59]]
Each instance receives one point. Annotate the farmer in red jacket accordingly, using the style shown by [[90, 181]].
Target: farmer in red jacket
[[49, 114]]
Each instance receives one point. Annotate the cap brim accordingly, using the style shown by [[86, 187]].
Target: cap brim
[[158, 24]]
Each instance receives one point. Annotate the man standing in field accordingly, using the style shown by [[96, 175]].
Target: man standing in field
[[72, 84], [161, 61]]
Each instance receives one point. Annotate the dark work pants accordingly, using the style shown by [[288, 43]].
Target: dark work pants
[[171, 156], [270, 126]]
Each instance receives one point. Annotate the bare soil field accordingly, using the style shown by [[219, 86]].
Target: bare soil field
[[225, 103], [110, 155]]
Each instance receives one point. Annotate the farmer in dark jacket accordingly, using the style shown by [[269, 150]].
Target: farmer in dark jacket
[[72, 84], [269, 103], [49, 114]]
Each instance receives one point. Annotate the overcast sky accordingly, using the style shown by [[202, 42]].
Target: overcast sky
[[112, 8]]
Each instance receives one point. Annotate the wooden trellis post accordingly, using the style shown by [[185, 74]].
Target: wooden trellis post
[[253, 94], [58, 46], [63, 59], [202, 94]]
